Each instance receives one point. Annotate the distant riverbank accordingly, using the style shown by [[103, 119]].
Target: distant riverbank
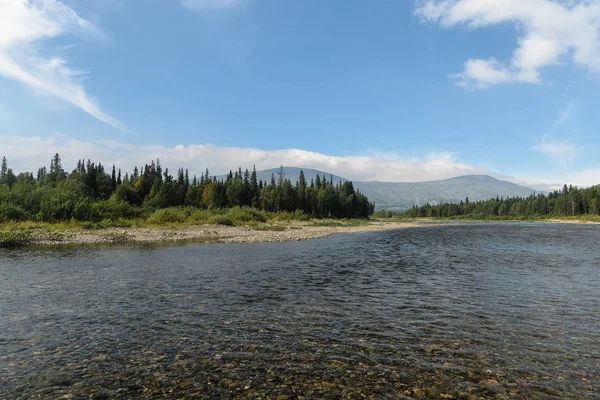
[[580, 220], [262, 233], [48, 234]]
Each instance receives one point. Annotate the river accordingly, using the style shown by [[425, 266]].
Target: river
[[464, 312]]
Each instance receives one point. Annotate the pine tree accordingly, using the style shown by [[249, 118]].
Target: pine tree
[[302, 180], [281, 176], [4, 168], [180, 177], [253, 182], [301, 188], [113, 178], [56, 164]]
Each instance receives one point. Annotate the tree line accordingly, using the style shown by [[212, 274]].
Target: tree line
[[92, 193], [569, 202]]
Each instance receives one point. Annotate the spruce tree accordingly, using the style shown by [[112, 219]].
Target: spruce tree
[[281, 176], [56, 164], [4, 168], [113, 178], [302, 180], [253, 182]]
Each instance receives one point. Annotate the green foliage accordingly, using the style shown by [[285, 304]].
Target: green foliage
[[296, 215], [276, 228], [15, 238], [246, 214], [221, 220], [171, 215], [94, 195], [344, 222], [569, 202], [12, 213]]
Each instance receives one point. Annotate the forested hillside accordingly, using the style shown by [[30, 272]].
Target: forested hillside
[[568, 202], [92, 193]]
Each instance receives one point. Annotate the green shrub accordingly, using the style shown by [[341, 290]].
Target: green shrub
[[15, 238], [127, 194], [221, 220], [171, 215], [245, 214], [201, 216], [276, 228], [296, 215], [11, 212]]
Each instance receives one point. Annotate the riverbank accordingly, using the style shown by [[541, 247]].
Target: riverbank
[[282, 231], [580, 220], [262, 233]]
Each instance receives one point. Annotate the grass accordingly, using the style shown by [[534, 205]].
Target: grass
[[393, 219], [340, 222], [15, 238], [174, 217], [276, 228]]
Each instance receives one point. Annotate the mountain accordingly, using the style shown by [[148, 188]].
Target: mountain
[[401, 196]]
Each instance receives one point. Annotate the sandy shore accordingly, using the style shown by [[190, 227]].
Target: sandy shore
[[215, 233], [573, 222]]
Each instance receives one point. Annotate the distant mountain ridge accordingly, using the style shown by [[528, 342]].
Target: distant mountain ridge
[[399, 196], [402, 196]]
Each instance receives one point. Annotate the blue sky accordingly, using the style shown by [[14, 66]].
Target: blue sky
[[380, 90]]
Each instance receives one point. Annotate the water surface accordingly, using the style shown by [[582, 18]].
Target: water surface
[[476, 311]]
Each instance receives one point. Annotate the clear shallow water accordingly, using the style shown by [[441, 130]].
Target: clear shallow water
[[478, 311]]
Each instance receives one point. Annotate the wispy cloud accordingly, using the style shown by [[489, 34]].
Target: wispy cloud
[[25, 28], [565, 114], [562, 152], [552, 31], [206, 5]]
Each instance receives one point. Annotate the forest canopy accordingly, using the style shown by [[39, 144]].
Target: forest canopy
[[92, 193], [571, 201]]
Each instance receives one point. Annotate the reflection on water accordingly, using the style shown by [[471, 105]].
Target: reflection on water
[[479, 311]]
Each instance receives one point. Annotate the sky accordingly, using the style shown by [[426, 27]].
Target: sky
[[387, 90]]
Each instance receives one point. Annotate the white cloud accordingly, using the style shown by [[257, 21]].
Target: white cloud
[[483, 73], [551, 31], [205, 5], [25, 26], [560, 151], [29, 153]]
